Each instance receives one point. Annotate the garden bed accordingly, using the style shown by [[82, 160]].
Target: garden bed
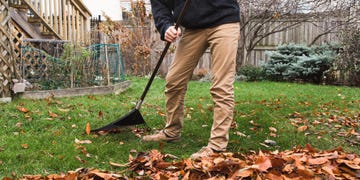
[[96, 90]]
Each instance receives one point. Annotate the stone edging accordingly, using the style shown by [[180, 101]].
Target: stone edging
[[99, 90]]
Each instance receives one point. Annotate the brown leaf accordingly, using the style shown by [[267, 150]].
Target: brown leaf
[[329, 170], [25, 146], [105, 176], [273, 176], [243, 173], [160, 113], [317, 161], [118, 165], [163, 165], [100, 114], [19, 124], [302, 128], [81, 160], [22, 109], [52, 115], [272, 129], [263, 162], [88, 128]]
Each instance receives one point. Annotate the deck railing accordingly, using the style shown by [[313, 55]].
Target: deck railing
[[63, 19]]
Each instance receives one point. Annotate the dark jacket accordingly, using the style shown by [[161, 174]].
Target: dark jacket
[[200, 13]]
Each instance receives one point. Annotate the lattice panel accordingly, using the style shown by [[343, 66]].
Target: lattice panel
[[36, 66], [18, 34], [6, 51]]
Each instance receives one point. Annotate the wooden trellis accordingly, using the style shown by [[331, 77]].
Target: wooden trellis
[[6, 51]]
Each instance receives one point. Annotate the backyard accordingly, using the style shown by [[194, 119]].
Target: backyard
[[49, 136]]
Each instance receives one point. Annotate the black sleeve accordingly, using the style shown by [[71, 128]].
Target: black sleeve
[[163, 16]]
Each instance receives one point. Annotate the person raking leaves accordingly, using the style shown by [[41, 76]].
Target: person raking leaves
[[212, 24]]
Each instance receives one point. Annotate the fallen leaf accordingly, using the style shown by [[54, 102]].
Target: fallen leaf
[[263, 162], [63, 110], [118, 164], [81, 160], [77, 141], [160, 113], [317, 161], [273, 135], [53, 115], [19, 124], [100, 114], [88, 128], [22, 109], [25, 146], [272, 129], [302, 128]]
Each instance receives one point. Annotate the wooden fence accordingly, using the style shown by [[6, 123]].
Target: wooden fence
[[302, 33], [6, 51]]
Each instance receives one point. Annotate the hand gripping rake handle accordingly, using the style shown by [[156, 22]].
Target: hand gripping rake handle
[[167, 46]]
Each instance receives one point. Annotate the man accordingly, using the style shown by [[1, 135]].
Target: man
[[210, 24]]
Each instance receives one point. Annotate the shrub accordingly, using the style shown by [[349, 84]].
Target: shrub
[[296, 62], [251, 73], [134, 35]]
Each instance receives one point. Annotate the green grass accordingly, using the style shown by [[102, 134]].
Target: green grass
[[37, 143]]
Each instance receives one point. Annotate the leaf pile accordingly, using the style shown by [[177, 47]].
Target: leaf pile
[[298, 163]]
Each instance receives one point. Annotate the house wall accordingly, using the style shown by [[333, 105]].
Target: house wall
[[111, 8]]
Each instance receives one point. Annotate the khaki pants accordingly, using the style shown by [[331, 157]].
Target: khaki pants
[[223, 43]]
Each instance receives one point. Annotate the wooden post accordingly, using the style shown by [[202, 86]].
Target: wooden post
[[61, 16], [78, 38], [73, 25], [51, 14], [107, 62], [65, 16]]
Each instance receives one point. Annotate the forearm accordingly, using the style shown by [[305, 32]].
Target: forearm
[[163, 16]]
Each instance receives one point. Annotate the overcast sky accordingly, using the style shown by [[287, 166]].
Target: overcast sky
[[111, 8]]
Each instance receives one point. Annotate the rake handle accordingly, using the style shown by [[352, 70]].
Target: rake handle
[[166, 48]]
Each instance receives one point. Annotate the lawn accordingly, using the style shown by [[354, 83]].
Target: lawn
[[48, 136]]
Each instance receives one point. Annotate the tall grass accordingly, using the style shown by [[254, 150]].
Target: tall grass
[[42, 140]]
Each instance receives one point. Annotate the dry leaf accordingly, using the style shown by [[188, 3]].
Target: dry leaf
[[25, 146], [118, 165], [100, 114], [88, 128], [272, 129], [317, 161], [263, 163], [160, 113], [52, 115], [19, 124], [77, 141], [22, 109], [81, 160], [298, 163], [63, 110], [302, 128]]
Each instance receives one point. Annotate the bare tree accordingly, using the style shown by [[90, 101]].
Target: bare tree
[[263, 18], [135, 36]]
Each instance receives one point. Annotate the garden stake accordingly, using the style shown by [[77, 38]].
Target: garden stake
[[134, 117]]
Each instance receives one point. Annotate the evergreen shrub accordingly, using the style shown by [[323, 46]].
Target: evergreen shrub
[[296, 62], [251, 73]]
